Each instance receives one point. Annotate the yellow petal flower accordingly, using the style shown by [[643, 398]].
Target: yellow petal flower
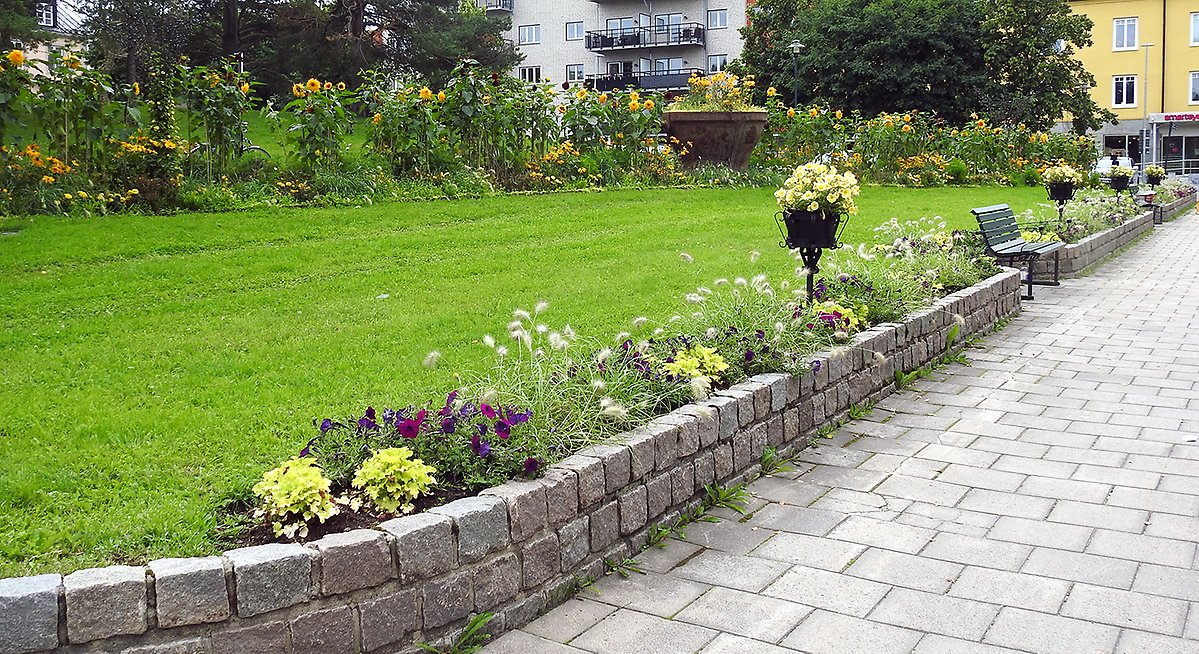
[[313, 84]]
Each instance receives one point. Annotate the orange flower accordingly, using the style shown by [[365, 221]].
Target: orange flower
[[16, 57], [603, 97], [634, 106], [441, 96], [907, 128], [813, 112], [245, 88]]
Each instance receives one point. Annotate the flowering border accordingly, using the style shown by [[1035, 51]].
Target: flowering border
[[516, 550]]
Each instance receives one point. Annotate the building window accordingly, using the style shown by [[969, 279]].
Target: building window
[[45, 14], [670, 65], [716, 63], [574, 31], [1194, 88], [530, 74], [718, 19], [529, 34], [1125, 34], [1124, 91], [1195, 28], [574, 73]]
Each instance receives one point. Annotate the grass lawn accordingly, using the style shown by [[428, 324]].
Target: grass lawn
[[156, 365]]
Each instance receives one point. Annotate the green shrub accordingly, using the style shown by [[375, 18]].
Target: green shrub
[[392, 479], [293, 494], [957, 172]]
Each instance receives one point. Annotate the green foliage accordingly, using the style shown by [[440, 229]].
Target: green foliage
[[622, 567], [1029, 49], [859, 411], [314, 125], [294, 493], [392, 479], [772, 463], [471, 640], [728, 497], [217, 96]]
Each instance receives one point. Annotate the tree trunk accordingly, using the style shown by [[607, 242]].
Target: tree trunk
[[231, 29]]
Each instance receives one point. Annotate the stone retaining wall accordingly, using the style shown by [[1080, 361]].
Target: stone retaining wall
[[516, 550], [1077, 257]]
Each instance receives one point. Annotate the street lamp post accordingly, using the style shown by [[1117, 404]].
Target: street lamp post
[[1145, 111], [796, 47]]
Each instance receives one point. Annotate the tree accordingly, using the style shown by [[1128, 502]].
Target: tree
[[1029, 54], [874, 55], [123, 35], [17, 23]]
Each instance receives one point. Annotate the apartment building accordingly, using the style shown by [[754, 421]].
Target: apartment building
[[607, 44], [1145, 59]]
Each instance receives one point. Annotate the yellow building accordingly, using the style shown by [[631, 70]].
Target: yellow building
[[1145, 59]]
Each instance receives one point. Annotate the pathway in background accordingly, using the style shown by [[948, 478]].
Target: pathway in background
[[1043, 499]]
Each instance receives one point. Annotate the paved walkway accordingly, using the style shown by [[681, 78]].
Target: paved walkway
[[1044, 499]]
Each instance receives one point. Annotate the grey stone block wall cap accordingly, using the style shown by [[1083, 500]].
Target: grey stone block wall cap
[[29, 613]]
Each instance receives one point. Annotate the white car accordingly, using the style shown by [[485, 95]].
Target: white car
[[1104, 165]]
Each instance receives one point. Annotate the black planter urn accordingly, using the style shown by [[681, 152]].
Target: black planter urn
[[1060, 191], [1153, 180], [811, 229], [1119, 183]]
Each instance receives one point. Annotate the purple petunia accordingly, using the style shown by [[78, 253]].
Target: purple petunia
[[531, 466], [480, 446], [448, 425], [749, 356], [487, 410], [326, 425], [816, 365], [367, 421], [503, 429], [410, 427]]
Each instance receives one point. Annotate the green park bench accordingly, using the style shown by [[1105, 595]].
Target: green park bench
[[1002, 237]]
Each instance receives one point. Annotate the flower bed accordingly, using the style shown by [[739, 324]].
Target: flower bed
[[1077, 257], [516, 550]]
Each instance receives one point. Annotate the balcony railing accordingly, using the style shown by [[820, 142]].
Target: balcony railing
[[645, 37], [498, 5], [674, 80]]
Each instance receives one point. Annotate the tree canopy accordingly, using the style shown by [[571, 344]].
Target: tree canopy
[[17, 23], [1011, 59], [284, 41]]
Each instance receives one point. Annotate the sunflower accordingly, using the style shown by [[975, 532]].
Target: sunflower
[[297, 90], [441, 96], [341, 86], [16, 57], [648, 104], [313, 84], [328, 86], [425, 93]]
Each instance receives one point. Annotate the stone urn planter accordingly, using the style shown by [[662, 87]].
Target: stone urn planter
[[718, 137]]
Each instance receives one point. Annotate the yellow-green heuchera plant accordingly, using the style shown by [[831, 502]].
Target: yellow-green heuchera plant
[[293, 494], [392, 479]]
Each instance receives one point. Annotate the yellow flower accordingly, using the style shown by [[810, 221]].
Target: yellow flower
[[907, 118], [46, 179], [66, 196], [839, 114], [328, 86], [560, 109], [634, 96], [341, 86], [441, 96], [245, 88], [771, 92], [791, 113], [982, 123], [813, 112], [1044, 138], [749, 83], [137, 89], [377, 119], [648, 104], [582, 171], [297, 90], [425, 93], [313, 84], [634, 105], [16, 57], [603, 97], [907, 128], [620, 135], [581, 94], [83, 194], [133, 191]]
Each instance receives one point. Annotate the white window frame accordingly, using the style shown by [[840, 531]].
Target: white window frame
[[529, 34], [668, 65], [529, 74], [45, 14], [575, 73], [1194, 95], [723, 21], [579, 34], [1120, 27], [722, 58], [1195, 28], [1117, 80]]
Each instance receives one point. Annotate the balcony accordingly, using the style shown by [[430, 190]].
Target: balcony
[[497, 5], [645, 37], [675, 80]]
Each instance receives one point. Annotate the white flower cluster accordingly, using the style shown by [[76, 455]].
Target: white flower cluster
[[816, 186], [1063, 174]]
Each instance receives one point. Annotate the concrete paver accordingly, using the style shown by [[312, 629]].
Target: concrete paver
[[1044, 500]]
